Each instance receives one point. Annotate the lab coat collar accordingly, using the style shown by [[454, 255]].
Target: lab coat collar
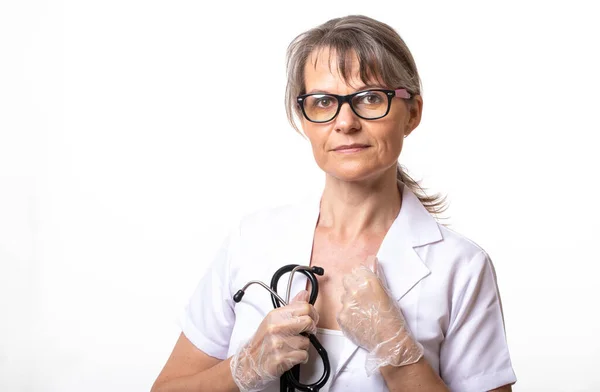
[[413, 227]]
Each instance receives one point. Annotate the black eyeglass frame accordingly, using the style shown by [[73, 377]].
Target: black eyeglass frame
[[341, 99]]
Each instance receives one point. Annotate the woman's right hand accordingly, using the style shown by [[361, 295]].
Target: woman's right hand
[[277, 345]]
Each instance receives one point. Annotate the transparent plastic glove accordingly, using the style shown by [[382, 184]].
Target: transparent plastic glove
[[372, 319], [276, 346]]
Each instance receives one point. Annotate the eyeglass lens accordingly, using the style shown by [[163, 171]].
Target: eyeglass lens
[[367, 104]]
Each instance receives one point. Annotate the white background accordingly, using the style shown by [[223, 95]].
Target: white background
[[133, 133]]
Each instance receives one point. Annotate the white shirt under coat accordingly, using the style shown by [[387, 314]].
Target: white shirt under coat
[[445, 284]]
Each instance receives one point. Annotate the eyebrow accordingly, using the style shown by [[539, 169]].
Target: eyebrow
[[365, 87]]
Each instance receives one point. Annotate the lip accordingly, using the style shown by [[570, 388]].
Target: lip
[[351, 147]]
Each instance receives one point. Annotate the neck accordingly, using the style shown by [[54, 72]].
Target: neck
[[350, 210]]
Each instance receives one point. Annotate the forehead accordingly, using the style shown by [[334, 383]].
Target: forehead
[[325, 70]]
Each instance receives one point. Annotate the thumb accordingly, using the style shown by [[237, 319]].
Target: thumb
[[372, 263], [302, 296]]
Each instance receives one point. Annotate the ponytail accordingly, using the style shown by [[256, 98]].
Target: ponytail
[[435, 204]]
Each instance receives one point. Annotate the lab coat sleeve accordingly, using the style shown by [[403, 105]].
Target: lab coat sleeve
[[208, 318], [474, 355]]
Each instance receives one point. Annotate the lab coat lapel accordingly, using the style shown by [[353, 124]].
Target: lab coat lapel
[[402, 266]]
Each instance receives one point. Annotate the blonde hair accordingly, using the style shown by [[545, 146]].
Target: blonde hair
[[380, 51]]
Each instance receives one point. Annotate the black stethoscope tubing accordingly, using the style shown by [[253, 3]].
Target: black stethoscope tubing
[[289, 381]]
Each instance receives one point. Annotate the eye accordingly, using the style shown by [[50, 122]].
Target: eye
[[370, 98], [323, 101]]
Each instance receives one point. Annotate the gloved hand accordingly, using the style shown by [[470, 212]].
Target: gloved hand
[[276, 346], [372, 319]]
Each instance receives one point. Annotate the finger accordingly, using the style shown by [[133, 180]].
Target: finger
[[351, 281], [291, 359], [298, 357], [368, 269], [358, 281], [298, 342], [300, 324], [372, 270], [314, 314], [378, 271], [302, 296], [308, 325], [294, 325], [304, 309], [349, 302]]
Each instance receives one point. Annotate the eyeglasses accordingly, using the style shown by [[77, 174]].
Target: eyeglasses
[[368, 104]]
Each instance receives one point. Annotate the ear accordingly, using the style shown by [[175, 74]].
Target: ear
[[415, 110]]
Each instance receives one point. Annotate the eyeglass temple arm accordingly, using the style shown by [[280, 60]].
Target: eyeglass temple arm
[[402, 93]]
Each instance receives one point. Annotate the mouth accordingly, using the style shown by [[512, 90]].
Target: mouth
[[351, 148]]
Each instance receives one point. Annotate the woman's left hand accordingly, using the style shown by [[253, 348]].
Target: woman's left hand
[[372, 319]]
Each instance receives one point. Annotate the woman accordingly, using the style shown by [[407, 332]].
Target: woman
[[404, 304]]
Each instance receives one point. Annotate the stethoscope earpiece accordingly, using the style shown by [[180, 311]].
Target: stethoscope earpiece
[[237, 297]]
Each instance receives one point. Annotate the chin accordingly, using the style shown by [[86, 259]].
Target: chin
[[354, 174], [358, 172]]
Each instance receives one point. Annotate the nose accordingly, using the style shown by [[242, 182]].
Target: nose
[[346, 121]]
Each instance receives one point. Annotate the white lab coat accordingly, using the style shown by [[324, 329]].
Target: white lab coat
[[445, 285]]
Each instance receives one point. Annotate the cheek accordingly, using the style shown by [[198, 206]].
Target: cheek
[[398, 143], [391, 141], [316, 136], [393, 131]]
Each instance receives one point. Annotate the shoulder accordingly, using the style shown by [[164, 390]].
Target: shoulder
[[457, 254], [441, 248], [267, 237], [276, 214], [274, 218], [460, 243], [264, 230]]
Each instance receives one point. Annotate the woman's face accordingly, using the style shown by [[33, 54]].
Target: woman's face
[[381, 139]]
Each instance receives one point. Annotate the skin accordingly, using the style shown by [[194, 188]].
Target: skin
[[385, 136], [359, 203]]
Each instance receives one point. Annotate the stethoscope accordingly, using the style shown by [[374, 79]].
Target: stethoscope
[[289, 381]]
